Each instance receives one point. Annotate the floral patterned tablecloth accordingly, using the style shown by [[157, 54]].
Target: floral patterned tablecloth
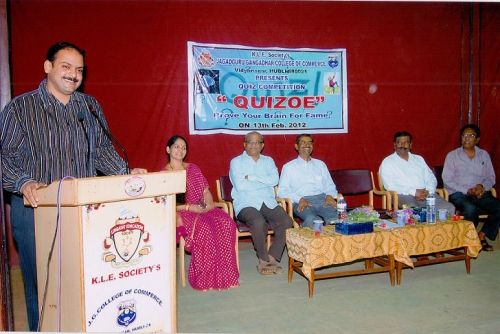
[[426, 238], [329, 248]]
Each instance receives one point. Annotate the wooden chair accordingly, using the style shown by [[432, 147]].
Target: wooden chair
[[182, 246], [392, 203], [351, 182], [436, 170], [224, 187]]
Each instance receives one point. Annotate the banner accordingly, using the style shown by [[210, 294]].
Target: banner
[[127, 271], [237, 89]]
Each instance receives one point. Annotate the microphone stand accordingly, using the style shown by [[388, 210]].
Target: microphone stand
[[110, 136], [81, 117]]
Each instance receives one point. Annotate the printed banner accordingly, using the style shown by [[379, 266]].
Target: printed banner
[[237, 89], [127, 269]]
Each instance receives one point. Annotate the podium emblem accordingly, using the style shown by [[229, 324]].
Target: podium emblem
[[127, 241], [135, 186], [126, 237], [126, 313]]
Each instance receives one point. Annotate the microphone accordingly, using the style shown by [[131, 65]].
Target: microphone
[[81, 117], [108, 134]]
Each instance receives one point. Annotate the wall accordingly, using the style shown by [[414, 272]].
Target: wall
[[416, 54]]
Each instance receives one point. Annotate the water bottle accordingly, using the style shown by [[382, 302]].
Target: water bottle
[[431, 208], [341, 208]]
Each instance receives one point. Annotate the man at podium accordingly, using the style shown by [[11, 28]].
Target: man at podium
[[47, 134]]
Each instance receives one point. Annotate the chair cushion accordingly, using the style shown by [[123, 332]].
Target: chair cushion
[[243, 228]]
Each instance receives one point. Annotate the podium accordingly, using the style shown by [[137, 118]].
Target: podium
[[112, 267]]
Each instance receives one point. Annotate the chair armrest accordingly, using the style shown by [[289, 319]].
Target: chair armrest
[[395, 199], [223, 206], [380, 192], [386, 198], [445, 194], [287, 205]]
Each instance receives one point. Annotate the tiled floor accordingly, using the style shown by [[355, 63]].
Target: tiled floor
[[433, 299]]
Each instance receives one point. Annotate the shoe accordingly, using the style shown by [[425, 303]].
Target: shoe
[[486, 246]]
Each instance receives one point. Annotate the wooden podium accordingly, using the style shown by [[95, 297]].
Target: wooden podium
[[112, 267]]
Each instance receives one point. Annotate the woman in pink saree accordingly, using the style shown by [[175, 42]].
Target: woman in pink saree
[[209, 232]]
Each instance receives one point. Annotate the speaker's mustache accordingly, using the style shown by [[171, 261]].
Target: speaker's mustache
[[72, 79]]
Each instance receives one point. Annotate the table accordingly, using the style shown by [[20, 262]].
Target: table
[[391, 250], [308, 252], [446, 241]]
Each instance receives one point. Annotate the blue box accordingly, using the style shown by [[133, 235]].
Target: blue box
[[354, 228]]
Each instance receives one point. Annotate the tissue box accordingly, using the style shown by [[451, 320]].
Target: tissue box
[[354, 228]]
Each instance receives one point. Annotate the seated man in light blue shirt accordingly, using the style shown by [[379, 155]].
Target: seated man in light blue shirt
[[254, 177], [307, 182]]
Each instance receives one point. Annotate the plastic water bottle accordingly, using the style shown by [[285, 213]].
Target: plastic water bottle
[[341, 208], [431, 208]]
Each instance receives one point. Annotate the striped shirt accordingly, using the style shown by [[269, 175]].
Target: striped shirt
[[43, 140]]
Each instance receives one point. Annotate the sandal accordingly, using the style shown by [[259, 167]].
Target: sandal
[[266, 269], [273, 262], [486, 246], [277, 269]]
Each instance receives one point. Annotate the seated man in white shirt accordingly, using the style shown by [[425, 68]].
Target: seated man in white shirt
[[307, 182], [409, 176]]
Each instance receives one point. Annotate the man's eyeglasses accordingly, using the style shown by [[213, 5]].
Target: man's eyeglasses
[[254, 142], [469, 135]]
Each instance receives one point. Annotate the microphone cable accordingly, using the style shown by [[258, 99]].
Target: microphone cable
[[49, 260]]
